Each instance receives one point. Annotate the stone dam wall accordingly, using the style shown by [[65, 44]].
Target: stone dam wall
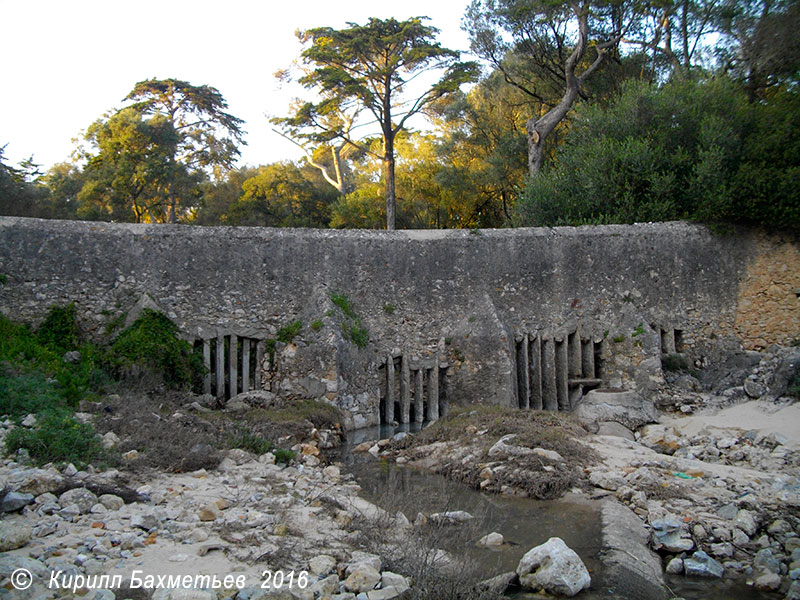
[[518, 317]]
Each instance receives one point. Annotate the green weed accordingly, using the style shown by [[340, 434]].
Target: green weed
[[57, 437], [282, 455], [289, 332]]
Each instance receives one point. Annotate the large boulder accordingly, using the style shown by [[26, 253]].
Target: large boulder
[[13, 535], [625, 407], [554, 568]]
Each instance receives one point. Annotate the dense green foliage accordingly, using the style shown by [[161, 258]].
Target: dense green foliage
[[57, 437], [642, 112], [35, 379], [151, 345], [687, 150]]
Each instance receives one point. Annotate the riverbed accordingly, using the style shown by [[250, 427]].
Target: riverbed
[[523, 522]]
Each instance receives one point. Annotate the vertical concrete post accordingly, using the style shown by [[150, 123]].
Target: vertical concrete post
[[433, 390], [419, 400], [587, 358], [234, 366], [388, 409], [562, 374], [207, 366], [259, 360], [668, 341], [549, 394], [245, 364], [220, 370], [575, 363], [535, 372], [405, 389], [523, 374]]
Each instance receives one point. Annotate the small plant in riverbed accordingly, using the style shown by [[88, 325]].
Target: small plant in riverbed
[[316, 325], [282, 455], [638, 331], [618, 339], [246, 439], [389, 309], [57, 437]]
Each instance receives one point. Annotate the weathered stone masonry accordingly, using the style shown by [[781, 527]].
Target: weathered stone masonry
[[522, 317]]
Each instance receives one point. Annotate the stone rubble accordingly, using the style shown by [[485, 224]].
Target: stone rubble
[[248, 517]]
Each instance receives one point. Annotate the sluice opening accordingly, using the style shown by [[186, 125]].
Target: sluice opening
[[412, 391], [232, 364], [554, 370]]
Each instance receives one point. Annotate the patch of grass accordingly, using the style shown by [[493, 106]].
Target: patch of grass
[[28, 393], [638, 331], [316, 325], [3, 278], [343, 302], [116, 323], [389, 309], [359, 336], [352, 330], [479, 427], [289, 332], [40, 355], [246, 439], [151, 345], [59, 330], [57, 437], [618, 339], [321, 414], [282, 455]]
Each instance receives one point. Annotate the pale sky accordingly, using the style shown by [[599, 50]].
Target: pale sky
[[66, 63]]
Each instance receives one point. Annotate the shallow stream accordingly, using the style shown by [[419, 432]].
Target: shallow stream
[[524, 522]]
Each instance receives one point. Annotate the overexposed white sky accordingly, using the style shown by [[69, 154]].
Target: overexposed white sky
[[67, 62]]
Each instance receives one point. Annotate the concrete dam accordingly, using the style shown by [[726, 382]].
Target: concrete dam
[[397, 326]]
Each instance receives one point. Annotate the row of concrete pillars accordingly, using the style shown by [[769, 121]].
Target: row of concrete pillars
[[412, 390], [232, 364], [553, 370]]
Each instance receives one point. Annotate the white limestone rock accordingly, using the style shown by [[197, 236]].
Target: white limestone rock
[[554, 568]]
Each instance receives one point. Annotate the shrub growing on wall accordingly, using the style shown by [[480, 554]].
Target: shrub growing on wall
[[151, 345]]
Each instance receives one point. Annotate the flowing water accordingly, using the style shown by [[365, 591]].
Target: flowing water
[[524, 522]]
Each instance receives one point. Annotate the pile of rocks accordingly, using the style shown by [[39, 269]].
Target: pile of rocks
[[767, 452], [733, 378], [720, 503], [248, 516]]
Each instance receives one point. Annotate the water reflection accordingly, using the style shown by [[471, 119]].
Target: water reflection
[[524, 523]]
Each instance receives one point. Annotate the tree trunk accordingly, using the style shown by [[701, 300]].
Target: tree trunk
[[388, 175], [539, 129]]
